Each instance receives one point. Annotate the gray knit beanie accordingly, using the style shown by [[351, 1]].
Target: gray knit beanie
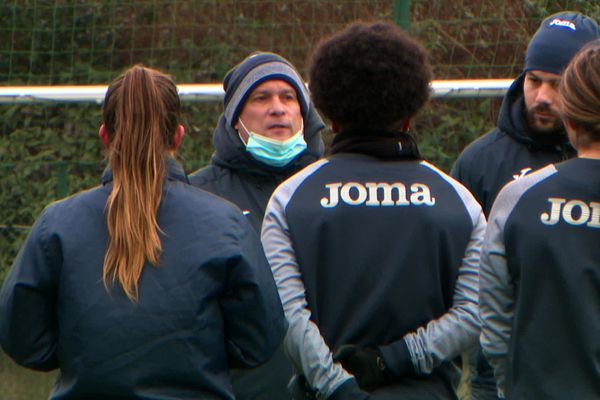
[[253, 70]]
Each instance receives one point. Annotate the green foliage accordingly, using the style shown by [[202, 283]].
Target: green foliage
[[49, 151], [19, 383], [445, 127], [39, 148]]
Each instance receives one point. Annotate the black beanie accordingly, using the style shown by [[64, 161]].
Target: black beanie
[[253, 70], [557, 40]]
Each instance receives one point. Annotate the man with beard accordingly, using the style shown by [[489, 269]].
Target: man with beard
[[529, 135]]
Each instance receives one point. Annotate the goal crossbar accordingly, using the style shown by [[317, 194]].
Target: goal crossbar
[[208, 92]]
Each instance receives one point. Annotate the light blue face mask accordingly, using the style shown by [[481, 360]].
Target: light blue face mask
[[276, 153]]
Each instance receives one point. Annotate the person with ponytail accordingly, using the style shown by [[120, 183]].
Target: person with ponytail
[[145, 286], [540, 263]]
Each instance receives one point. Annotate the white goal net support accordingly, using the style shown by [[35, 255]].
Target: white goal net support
[[473, 88]]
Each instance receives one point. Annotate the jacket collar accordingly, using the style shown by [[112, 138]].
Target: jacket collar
[[174, 172], [380, 143]]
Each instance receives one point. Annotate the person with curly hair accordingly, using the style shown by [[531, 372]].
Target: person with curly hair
[[540, 275], [375, 251]]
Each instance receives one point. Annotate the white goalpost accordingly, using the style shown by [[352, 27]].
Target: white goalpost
[[207, 92]]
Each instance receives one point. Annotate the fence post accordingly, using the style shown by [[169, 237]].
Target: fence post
[[401, 13], [62, 186]]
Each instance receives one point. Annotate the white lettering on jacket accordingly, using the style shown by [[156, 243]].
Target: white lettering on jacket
[[573, 212], [524, 172], [377, 194]]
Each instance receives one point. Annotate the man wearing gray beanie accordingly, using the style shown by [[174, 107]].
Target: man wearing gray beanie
[[268, 131], [529, 135]]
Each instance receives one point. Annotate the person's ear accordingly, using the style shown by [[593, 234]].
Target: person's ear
[[405, 127], [571, 128], [178, 137], [569, 123], [335, 128], [104, 136]]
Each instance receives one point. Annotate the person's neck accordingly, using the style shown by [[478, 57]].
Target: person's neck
[[592, 151]]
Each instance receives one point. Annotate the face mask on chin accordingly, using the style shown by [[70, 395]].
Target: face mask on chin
[[273, 152]]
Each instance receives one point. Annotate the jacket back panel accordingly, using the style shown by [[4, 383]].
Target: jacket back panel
[[553, 257], [377, 267]]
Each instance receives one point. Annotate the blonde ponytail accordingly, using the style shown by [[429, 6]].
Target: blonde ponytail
[[141, 113]]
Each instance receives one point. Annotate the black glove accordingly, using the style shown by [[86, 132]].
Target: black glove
[[365, 364]]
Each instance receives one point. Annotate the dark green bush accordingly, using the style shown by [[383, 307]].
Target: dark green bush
[[49, 150]]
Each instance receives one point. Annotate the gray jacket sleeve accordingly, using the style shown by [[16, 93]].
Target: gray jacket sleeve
[[497, 290], [446, 337], [496, 301], [303, 343]]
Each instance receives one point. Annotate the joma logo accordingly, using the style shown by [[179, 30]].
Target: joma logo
[[377, 194], [573, 212], [563, 23], [524, 172]]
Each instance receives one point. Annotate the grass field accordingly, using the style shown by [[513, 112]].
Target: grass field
[[17, 383]]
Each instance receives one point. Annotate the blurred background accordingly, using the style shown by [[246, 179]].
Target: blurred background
[[49, 150]]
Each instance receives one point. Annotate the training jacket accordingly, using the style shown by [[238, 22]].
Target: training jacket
[[507, 152], [210, 304], [540, 284], [394, 267]]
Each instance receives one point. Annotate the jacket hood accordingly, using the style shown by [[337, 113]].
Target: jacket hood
[[231, 153], [512, 121]]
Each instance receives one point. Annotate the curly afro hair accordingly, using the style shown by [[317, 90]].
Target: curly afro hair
[[369, 75]]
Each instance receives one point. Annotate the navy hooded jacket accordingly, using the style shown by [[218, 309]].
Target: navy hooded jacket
[[209, 305], [507, 152]]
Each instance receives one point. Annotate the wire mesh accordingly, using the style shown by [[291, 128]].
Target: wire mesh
[[49, 150], [87, 42]]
